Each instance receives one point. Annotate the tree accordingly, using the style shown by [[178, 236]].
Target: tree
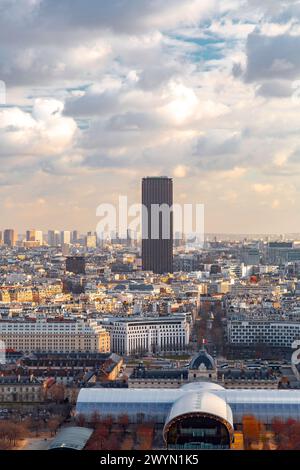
[[124, 421], [53, 424], [95, 419], [113, 443], [57, 393], [100, 440], [278, 427], [4, 444], [251, 430], [81, 420], [108, 421], [127, 443], [36, 425], [14, 432]]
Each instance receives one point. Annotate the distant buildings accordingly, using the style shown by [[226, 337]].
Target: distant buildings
[[33, 238], [65, 237], [91, 240], [74, 236], [9, 237], [250, 256], [53, 238], [279, 252], [157, 236]]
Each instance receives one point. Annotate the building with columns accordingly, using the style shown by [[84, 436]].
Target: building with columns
[[146, 335]]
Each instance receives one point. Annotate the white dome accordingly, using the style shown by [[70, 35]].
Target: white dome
[[201, 402]]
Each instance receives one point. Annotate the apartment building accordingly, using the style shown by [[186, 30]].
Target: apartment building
[[53, 336], [268, 332]]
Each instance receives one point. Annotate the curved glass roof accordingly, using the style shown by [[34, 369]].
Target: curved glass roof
[[201, 402], [157, 403], [71, 438]]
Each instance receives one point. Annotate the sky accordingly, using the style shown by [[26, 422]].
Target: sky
[[100, 94]]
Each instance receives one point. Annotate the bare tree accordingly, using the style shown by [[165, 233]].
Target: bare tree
[[81, 420], [53, 424]]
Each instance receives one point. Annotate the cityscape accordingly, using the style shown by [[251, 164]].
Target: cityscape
[[121, 344], [149, 231]]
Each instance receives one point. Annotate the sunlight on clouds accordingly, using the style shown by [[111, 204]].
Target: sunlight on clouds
[[183, 102], [263, 188], [180, 171]]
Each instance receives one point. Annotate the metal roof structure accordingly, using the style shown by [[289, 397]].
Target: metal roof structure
[[157, 403], [201, 402], [72, 438]]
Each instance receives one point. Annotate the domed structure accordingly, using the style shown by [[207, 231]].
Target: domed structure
[[203, 361], [199, 420]]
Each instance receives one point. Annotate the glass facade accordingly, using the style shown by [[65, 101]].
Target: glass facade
[[156, 404], [197, 432], [135, 410]]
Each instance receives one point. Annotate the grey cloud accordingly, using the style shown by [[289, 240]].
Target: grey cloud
[[216, 144], [155, 76], [275, 89], [237, 70], [216, 151], [93, 104], [272, 58], [134, 121], [103, 161], [46, 18]]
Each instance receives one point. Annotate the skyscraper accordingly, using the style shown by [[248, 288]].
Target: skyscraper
[[157, 224], [74, 236], [53, 237], [34, 236], [9, 237], [65, 237]]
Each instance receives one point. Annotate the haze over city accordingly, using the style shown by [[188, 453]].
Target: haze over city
[[203, 91]]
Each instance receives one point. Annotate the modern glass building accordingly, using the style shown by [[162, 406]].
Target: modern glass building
[[197, 415], [199, 420]]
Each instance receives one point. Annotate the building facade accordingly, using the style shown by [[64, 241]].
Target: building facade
[[9, 237], [157, 227], [53, 336], [20, 390], [148, 335], [272, 333]]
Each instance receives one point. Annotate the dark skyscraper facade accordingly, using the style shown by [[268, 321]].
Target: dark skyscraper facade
[[157, 228], [9, 237]]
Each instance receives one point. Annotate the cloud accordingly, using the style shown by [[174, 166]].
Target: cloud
[[43, 131], [276, 89], [180, 171], [273, 57], [263, 188]]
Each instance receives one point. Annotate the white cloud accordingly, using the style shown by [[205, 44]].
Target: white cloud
[[43, 131]]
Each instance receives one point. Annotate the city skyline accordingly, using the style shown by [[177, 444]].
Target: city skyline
[[206, 92]]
